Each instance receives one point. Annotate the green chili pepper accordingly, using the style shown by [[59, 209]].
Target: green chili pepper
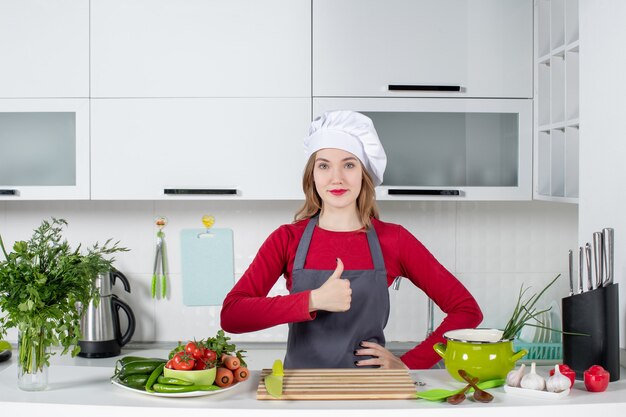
[[153, 377], [173, 381], [176, 389]]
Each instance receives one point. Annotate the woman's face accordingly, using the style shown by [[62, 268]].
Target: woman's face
[[337, 175]]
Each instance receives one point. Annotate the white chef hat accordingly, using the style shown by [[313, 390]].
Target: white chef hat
[[352, 132]]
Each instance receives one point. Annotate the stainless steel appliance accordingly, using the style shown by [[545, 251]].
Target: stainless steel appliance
[[100, 324]]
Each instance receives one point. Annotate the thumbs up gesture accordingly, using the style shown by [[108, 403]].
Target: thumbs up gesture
[[334, 295]]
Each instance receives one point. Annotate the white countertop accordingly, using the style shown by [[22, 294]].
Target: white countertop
[[80, 386]]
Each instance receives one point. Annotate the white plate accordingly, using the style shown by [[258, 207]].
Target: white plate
[[115, 381], [555, 316], [527, 334], [538, 330], [547, 334], [533, 393]]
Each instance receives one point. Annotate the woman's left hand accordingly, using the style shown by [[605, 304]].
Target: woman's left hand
[[382, 357]]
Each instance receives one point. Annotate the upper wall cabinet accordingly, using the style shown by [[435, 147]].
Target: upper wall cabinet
[[218, 148], [423, 48], [200, 48], [44, 149], [44, 48]]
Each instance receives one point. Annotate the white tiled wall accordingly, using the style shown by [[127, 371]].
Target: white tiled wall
[[491, 247]]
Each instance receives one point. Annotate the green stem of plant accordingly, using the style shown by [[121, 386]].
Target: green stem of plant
[[32, 351]]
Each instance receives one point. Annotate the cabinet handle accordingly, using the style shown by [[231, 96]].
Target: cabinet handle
[[397, 191], [406, 87], [8, 192], [200, 191]]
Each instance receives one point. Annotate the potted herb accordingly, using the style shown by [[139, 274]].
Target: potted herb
[[41, 282]]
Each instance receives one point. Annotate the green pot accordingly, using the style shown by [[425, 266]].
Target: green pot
[[480, 352]]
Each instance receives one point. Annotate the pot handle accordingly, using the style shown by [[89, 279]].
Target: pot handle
[[117, 304], [518, 355], [440, 348]]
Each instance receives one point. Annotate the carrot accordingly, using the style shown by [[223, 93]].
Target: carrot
[[241, 374], [224, 377], [230, 362]]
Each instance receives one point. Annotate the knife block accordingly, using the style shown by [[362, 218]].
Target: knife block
[[596, 314]]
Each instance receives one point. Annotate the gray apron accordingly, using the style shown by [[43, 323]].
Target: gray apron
[[329, 341]]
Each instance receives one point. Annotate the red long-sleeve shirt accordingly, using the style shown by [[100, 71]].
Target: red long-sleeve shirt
[[247, 307]]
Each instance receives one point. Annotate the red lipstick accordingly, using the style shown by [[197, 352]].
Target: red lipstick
[[338, 192]]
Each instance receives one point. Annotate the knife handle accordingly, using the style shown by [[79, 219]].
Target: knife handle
[[571, 272], [607, 245], [589, 269], [581, 268], [598, 254]]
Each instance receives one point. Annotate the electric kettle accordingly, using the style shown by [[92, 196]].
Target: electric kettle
[[100, 324]]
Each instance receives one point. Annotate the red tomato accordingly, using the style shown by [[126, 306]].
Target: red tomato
[[170, 364], [568, 372], [193, 350], [200, 365], [183, 362], [596, 379], [209, 355]]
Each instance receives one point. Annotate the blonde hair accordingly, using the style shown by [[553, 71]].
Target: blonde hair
[[365, 202]]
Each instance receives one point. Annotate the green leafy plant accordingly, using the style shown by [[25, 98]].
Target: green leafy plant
[[41, 282], [524, 311]]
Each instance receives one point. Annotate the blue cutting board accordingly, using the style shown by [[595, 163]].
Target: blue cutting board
[[208, 271]]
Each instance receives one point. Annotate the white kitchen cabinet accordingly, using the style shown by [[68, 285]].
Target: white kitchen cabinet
[[218, 148], [44, 45], [200, 48], [44, 149], [556, 103], [449, 149], [423, 48]]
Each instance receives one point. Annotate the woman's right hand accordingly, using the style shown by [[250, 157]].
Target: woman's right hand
[[334, 295]]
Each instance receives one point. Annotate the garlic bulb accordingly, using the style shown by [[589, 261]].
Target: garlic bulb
[[514, 377], [557, 382], [533, 380]]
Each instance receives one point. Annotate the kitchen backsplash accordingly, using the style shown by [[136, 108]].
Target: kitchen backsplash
[[492, 247]]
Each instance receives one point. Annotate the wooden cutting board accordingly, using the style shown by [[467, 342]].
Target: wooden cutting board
[[342, 384]]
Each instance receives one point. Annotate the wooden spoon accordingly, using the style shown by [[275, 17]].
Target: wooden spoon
[[479, 394], [459, 397]]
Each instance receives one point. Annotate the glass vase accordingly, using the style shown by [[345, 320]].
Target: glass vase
[[32, 364]]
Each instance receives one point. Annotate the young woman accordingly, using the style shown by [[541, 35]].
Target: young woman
[[338, 260]]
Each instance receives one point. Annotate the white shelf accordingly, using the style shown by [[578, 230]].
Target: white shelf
[[557, 93], [559, 125]]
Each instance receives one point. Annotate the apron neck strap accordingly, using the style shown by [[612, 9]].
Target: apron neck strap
[[305, 241]]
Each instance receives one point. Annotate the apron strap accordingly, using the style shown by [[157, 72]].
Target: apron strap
[[305, 241], [303, 245], [375, 250]]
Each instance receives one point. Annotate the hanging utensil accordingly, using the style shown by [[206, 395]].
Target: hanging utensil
[[608, 247], [155, 270], [598, 254], [159, 272]]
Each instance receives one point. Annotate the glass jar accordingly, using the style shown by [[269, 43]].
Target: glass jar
[[32, 365]]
